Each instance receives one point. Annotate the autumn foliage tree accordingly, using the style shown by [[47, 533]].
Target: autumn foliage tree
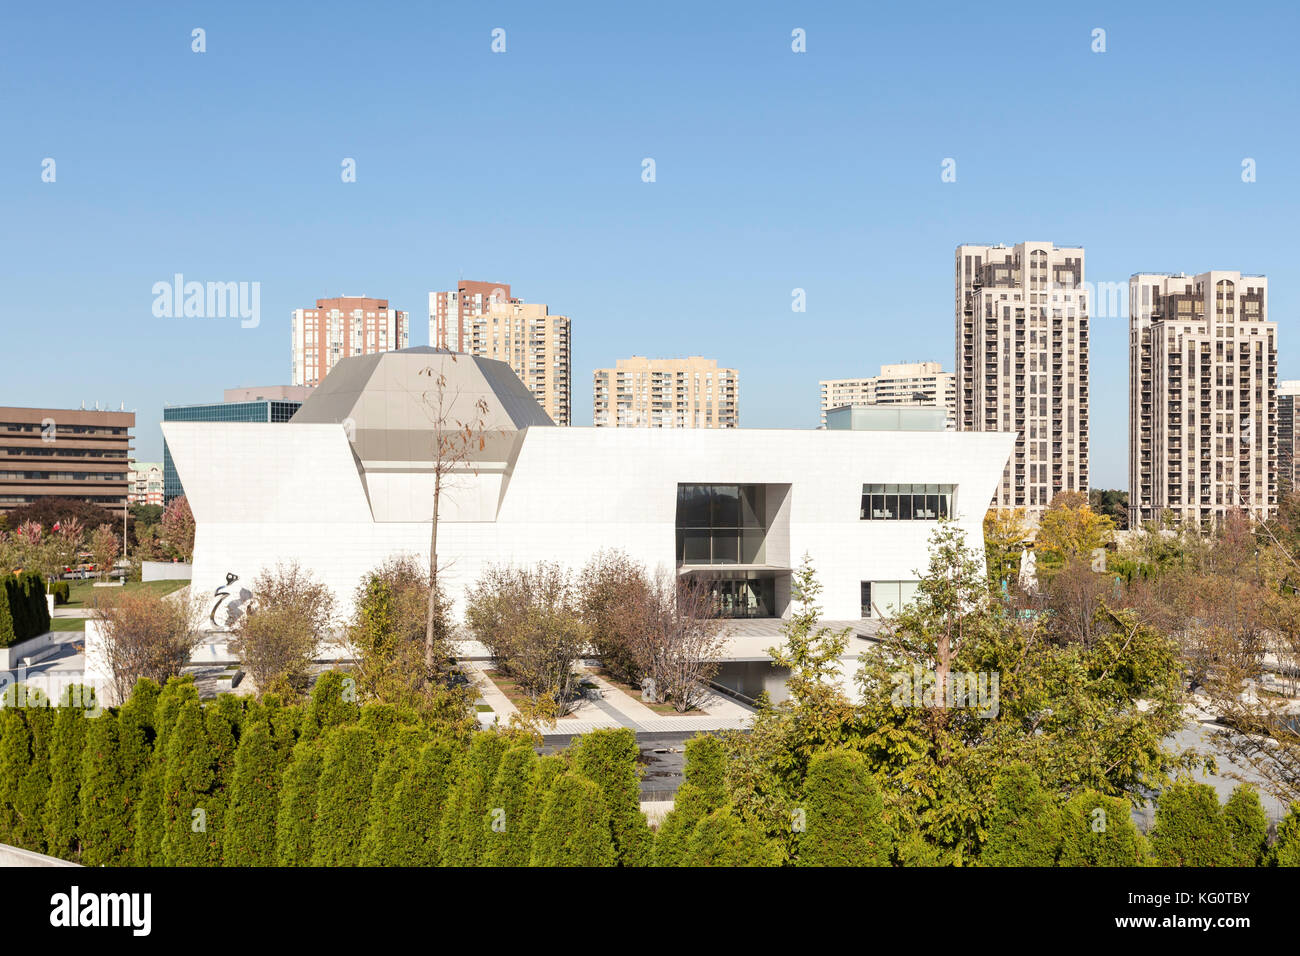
[[178, 528], [1070, 529], [104, 549], [531, 621], [614, 593], [1005, 532], [146, 635], [276, 639]]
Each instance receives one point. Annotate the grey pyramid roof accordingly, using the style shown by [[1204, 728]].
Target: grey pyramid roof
[[391, 400]]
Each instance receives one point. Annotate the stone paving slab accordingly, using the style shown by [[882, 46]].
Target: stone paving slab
[[720, 713]]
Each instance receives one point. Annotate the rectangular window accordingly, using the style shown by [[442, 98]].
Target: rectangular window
[[887, 597], [906, 502]]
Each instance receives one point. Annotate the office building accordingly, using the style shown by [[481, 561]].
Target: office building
[[908, 383], [1203, 436], [1022, 363], [342, 327], [666, 393], [64, 453]]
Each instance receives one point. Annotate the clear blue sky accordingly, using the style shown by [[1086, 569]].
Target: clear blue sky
[[774, 171]]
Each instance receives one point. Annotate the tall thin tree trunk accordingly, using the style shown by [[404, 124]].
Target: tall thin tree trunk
[[432, 610]]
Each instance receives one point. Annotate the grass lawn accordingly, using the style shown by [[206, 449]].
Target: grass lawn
[[67, 624], [82, 593], [665, 708]]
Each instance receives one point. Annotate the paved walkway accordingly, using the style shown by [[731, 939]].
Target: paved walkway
[[614, 708]]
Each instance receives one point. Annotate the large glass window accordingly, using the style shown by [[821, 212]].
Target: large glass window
[[907, 502], [742, 597], [721, 524], [887, 597]]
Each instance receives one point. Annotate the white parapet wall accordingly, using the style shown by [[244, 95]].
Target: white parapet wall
[[11, 658], [98, 674], [17, 856], [166, 571]]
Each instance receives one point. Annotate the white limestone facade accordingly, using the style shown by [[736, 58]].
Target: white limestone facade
[[339, 501]]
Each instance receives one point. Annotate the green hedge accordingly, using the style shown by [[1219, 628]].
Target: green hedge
[[340, 784], [23, 611], [843, 813], [1024, 828], [1190, 828]]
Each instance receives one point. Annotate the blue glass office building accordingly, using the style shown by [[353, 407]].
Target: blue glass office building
[[263, 410]]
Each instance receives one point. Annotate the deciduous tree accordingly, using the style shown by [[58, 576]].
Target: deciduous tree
[[277, 638], [145, 635], [1070, 529], [531, 622], [458, 434], [104, 549], [178, 528], [615, 593]]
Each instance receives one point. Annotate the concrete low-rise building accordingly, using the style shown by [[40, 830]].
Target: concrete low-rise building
[[349, 482], [65, 453]]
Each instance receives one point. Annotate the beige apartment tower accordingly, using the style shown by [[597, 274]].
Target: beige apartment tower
[[666, 393], [1288, 403], [341, 327], [484, 319], [1203, 437], [452, 314], [1022, 363], [908, 383]]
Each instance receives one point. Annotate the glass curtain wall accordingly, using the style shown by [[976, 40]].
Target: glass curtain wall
[[721, 524]]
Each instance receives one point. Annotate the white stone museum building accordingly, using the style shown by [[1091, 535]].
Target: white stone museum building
[[348, 482]]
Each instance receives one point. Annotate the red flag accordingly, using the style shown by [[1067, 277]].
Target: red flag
[[56, 526]]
